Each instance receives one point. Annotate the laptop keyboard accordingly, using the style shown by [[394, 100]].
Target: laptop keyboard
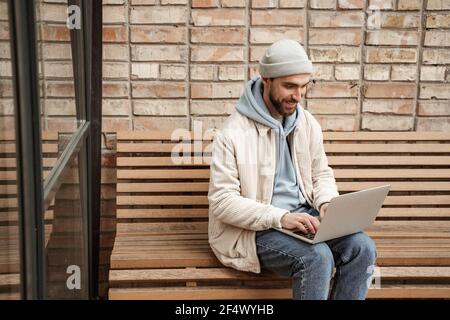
[[309, 236]]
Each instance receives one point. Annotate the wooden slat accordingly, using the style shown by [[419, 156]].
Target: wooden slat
[[391, 173], [10, 296], [11, 175], [209, 293], [162, 147], [353, 136], [395, 185], [151, 240], [162, 200], [8, 189], [8, 202], [339, 174], [342, 186], [12, 216], [411, 226], [329, 148], [414, 212], [386, 136], [162, 213], [127, 248], [164, 260], [203, 213], [159, 237], [162, 135], [163, 174], [183, 274], [162, 227], [205, 258], [418, 200], [416, 291], [11, 135], [406, 160], [11, 148], [11, 162], [162, 161], [387, 148], [10, 279], [203, 200], [332, 161], [163, 187]]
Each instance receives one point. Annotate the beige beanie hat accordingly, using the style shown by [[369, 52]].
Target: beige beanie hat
[[283, 58]]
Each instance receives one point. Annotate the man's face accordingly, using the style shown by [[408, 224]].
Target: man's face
[[285, 92]]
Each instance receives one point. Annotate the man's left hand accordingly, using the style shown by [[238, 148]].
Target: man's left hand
[[323, 209]]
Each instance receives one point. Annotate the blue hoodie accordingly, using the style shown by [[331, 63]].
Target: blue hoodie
[[286, 192]]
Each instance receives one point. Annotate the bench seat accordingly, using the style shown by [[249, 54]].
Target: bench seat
[[161, 248]]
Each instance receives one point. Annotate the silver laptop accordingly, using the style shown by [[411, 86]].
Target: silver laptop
[[346, 214]]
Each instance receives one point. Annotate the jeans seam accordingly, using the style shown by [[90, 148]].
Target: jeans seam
[[298, 259], [283, 253], [344, 259]]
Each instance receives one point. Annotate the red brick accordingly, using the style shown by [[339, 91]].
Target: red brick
[[434, 108], [218, 17], [156, 89], [115, 34], [160, 123], [205, 3], [333, 106], [221, 54], [390, 55], [433, 124], [277, 17], [351, 4], [218, 35], [390, 90], [272, 34], [398, 106], [216, 90], [158, 34], [337, 123], [392, 37], [387, 122], [349, 37], [55, 32], [333, 90], [324, 19]]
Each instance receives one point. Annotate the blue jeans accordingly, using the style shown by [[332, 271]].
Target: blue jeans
[[311, 265]]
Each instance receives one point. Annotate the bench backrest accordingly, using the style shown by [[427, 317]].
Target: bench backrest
[[156, 185]]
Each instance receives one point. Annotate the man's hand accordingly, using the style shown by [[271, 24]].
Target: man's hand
[[300, 221], [323, 210]]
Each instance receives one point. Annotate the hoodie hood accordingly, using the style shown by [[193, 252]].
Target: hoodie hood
[[251, 104]]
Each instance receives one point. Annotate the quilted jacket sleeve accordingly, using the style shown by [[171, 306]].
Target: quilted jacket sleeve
[[225, 200]]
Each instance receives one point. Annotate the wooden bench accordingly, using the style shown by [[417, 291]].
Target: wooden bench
[[161, 249], [9, 228]]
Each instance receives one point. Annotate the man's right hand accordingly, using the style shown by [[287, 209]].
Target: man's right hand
[[300, 221]]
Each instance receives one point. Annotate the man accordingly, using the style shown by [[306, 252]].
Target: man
[[269, 170]]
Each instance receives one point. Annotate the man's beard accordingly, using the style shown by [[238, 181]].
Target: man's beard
[[278, 105]]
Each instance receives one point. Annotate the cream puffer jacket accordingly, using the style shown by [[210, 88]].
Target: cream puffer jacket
[[242, 180]]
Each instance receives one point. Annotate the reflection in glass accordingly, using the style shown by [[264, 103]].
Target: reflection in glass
[[9, 216], [56, 80], [66, 249]]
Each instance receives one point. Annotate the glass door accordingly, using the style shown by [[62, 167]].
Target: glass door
[[50, 96]]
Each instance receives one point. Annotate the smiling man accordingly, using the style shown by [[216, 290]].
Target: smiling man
[[269, 170]]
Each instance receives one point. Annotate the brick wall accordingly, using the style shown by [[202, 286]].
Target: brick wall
[[380, 64]]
